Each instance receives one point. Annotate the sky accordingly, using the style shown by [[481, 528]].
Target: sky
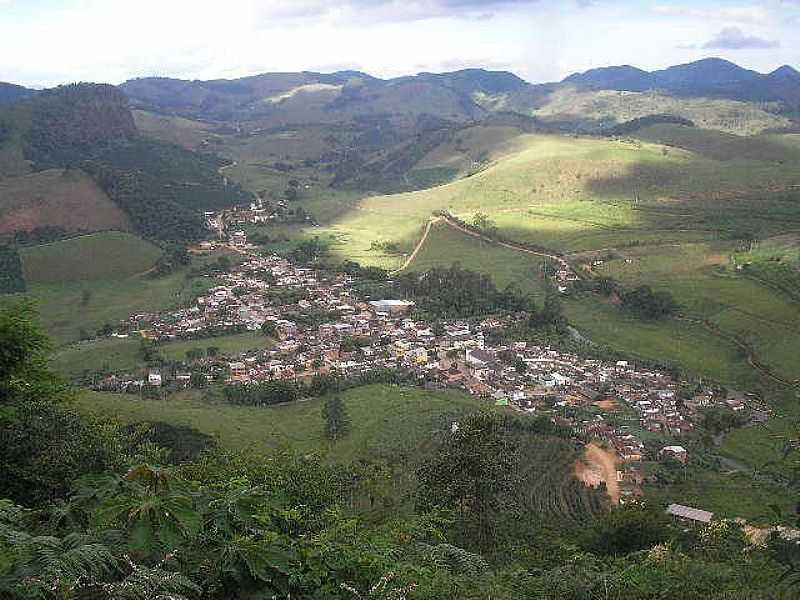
[[50, 42]]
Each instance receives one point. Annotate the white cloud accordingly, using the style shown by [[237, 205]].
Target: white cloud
[[733, 14], [540, 40]]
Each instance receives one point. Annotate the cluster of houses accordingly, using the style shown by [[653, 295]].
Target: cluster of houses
[[320, 325]]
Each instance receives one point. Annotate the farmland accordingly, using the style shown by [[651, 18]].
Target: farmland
[[90, 257], [116, 354], [390, 425], [66, 199]]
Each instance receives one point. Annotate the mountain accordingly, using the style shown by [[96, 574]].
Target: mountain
[[292, 97], [72, 122], [712, 77], [624, 77], [162, 188], [10, 92]]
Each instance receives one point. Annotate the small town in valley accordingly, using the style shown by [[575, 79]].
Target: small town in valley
[[321, 325]]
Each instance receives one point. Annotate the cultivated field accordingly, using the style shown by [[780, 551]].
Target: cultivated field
[[56, 198], [109, 255]]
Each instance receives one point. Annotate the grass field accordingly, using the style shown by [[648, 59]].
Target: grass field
[[727, 494], [56, 198], [64, 312], [506, 266], [116, 354], [108, 255], [387, 421], [575, 194]]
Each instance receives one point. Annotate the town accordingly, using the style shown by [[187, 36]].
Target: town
[[321, 326]]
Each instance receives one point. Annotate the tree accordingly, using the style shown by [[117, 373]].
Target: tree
[[212, 351], [482, 221], [197, 380], [86, 297], [269, 328], [474, 475], [627, 529], [193, 354], [337, 422]]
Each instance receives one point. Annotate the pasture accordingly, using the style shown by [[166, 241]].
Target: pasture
[[388, 422], [68, 308], [57, 198], [117, 354], [505, 265], [108, 255]]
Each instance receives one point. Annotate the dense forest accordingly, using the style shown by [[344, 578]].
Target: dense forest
[[90, 511]]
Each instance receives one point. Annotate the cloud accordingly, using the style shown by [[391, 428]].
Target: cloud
[[733, 38], [734, 14]]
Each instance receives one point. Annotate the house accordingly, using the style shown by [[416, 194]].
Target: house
[[687, 513], [238, 371], [239, 239], [392, 307], [154, 378], [677, 453]]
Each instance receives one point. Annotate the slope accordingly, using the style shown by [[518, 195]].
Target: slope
[[65, 200]]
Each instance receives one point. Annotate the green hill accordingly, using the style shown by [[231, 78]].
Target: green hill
[[111, 255]]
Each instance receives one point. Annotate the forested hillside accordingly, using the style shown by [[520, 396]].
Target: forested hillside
[[161, 187]]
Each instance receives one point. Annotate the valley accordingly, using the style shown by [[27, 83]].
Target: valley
[[453, 311]]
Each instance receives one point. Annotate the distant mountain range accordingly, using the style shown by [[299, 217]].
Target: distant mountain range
[[457, 96], [712, 77]]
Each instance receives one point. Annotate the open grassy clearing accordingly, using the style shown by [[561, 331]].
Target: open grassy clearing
[[388, 422], [699, 277], [64, 313], [506, 266], [57, 198], [571, 194], [727, 494], [115, 354], [107, 255], [173, 129], [686, 344]]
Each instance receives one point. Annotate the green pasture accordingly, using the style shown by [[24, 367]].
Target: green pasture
[[387, 422], [107, 255]]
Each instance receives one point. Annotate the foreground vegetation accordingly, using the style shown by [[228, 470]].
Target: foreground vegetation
[[95, 513]]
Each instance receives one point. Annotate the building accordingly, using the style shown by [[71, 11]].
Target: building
[[239, 239], [677, 453], [238, 371], [687, 513], [154, 378], [392, 307]]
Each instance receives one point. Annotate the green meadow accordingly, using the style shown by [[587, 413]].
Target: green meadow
[[116, 354]]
